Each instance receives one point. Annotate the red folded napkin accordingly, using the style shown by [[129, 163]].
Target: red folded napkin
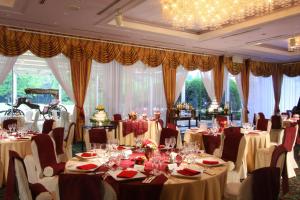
[[121, 148], [188, 172], [87, 154], [87, 166], [22, 138], [127, 174], [210, 162]]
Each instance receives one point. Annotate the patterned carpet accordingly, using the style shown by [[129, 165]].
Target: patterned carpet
[[294, 183]]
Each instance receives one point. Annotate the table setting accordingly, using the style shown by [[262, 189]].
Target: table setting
[[148, 165]]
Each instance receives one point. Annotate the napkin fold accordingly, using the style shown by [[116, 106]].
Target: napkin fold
[[127, 174], [210, 162], [88, 154], [87, 166], [121, 148], [188, 172]]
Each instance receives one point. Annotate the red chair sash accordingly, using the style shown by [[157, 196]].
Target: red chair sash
[[276, 122], [167, 133], [45, 149], [289, 138], [232, 140], [261, 115], [7, 122], [117, 117], [47, 126], [211, 142], [171, 126], [98, 135], [80, 186], [266, 183], [58, 136], [138, 127], [262, 124]]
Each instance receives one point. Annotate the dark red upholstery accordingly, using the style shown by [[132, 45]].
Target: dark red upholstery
[[47, 126], [167, 133], [276, 122], [232, 140], [80, 186], [261, 115], [161, 122], [58, 136], [6, 122], [172, 126], [262, 124], [211, 142], [117, 117], [222, 122], [266, 183], [289, 137], [98, 135]]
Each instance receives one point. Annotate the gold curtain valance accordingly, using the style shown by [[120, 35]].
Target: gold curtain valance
[[291, 69], [233, 68], [262, 68]]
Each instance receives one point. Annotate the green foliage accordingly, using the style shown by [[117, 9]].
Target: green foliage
[[5, 89], [235, 101]]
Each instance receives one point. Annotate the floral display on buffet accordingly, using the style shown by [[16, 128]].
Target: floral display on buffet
[[214, 107], [100, 116], [184, 110], [132, 115]]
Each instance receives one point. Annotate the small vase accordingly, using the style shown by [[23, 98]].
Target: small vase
[[148, 153]]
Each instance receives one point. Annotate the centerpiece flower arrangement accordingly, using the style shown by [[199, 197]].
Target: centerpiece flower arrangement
[[149, 148], [132, 115], [100, 116]]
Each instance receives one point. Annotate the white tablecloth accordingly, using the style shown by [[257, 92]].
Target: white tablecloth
[[20, 120]]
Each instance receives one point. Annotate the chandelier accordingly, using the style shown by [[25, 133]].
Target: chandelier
[[294, 44], [212, 14]]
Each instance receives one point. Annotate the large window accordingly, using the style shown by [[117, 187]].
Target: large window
[[30, 71], [290, 93]]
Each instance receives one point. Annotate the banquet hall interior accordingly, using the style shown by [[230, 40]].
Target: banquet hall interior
[[149, 99]]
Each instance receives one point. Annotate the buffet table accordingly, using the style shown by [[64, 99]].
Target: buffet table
[[206, 186], [20, 145]]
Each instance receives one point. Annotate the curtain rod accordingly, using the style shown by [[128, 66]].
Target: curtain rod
[[15, 28]]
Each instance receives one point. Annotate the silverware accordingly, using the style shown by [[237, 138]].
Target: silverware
[[149, 179]]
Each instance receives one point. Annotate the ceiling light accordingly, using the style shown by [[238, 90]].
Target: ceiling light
[[294, 44], [215, 13]]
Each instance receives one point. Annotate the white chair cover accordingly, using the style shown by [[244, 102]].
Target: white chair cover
[[239, 191], [69, 142], [23, 186], [34, 126], [28, 116]]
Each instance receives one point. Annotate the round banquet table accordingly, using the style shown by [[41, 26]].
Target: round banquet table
[[254, 141], [210, 186], [194, 135], [20, 120], [22, 147]]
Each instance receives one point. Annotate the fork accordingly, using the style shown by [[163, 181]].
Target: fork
[[149, 179]]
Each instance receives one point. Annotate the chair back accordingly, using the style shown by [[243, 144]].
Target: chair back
[[266, 183], [43, 152], [261, 115], [98, 135], [276, 122], [7, 122], [289, 137], [171, 126], [28, 115], [71, 132], [17, 177], [34, 126], [117, 117], [58, 137], [262, 124], [231, 145], [278, 157], [47, 126], [211, 142], [167, 133]]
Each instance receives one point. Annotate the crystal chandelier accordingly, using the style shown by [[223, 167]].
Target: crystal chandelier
[[294, 44], [212, 14]]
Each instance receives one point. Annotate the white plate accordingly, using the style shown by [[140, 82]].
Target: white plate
[[114, 174], [73, 167], [80, 155], [200, 161]]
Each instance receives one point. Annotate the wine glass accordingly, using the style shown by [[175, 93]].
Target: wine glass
[[172, 142], [9, 128], [167, 142]]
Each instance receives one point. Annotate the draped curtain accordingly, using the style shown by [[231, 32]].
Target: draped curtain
[[261, 96], [245, 72], [6, 65], [207, 78], [122, 89], [277, 83], [290, 92], [181, 75], [218, 79], [80, 71]]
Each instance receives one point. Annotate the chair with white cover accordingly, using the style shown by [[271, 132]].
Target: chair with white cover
[[233, 150], [34, 126], [57, 134], [95, 136], [64, 121], [263, 156], [48, 125], [276, 133], [43, 166], [17, 177], [264, 125], [263, 184], [69, 141]]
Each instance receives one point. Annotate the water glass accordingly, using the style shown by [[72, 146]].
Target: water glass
[[167, 142], [172, 142]]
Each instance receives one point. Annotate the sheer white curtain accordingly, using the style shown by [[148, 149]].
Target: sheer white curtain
[[208, 81], [122, 89], [6, 65], [61, 69], [261, 96], [181, 75], [290, 93]]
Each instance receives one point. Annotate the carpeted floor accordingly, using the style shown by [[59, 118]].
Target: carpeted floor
[[294, 183]]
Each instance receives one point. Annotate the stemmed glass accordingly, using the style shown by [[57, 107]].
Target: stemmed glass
[[138, 142], [172, 142], [167, 142], [10, 128]]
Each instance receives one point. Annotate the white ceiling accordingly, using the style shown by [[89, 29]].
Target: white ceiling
[[263, 38]]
